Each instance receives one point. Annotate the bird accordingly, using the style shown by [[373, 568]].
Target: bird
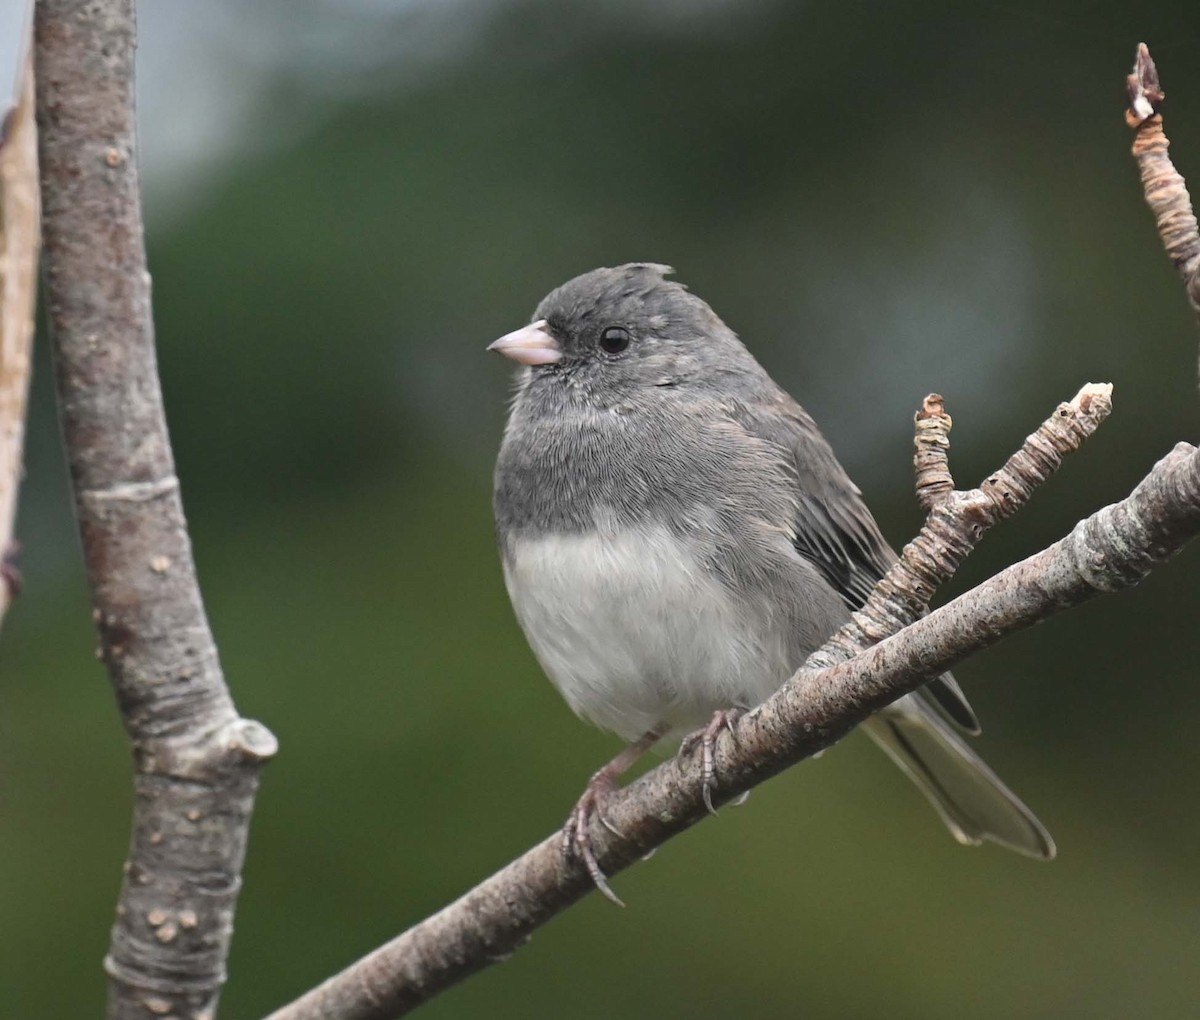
[[677, 536]]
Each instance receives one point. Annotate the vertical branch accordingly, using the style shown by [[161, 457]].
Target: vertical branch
[[1164, 188], [196, 761], [19, 241], [931, 461]]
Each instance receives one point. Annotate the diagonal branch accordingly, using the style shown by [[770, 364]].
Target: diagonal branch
[[1164, 188], [196, 761], [814, 709], [19, 242]]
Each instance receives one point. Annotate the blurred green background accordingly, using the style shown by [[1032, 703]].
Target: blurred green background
[[346, 202]]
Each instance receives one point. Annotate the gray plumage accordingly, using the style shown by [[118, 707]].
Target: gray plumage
[[677, 535]]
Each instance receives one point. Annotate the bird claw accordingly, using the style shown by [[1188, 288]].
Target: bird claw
[[576, 836], [706, 738]]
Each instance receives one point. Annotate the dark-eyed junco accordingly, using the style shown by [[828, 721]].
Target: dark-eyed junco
[[677, 537]]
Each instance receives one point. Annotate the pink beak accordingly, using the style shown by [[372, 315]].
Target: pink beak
[[530, 345]]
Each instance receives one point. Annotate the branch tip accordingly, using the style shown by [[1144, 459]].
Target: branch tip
[[1162, 185], [1094, 400], [252, 740], [932, 406], [1143, 88], [934, 483]]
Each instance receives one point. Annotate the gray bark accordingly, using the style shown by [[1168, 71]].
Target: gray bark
[[19, 242], [1163, 185], [196, 761]]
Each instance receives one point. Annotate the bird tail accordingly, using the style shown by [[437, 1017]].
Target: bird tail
[[969, 796]]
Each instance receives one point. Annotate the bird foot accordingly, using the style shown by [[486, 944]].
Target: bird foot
[[706, 739], [576, 833]]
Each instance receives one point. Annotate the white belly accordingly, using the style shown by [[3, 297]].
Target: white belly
[[636, 634]]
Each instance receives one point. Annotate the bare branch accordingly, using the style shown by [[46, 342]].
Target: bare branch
[[931, 461], [958, 520], [20, 238], [197, 762], [1164, 188], [814, 709]]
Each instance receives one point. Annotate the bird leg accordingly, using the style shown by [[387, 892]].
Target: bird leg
[[576, 834], [722, 719]]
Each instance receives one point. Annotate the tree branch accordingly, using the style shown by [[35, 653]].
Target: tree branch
[[20, 238], [1164, 188], [931, 461], [196, 761], [828, 697], [958, 520]]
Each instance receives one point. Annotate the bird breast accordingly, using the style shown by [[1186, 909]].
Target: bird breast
[[636, 632]]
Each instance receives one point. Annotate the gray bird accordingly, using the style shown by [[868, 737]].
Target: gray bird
[[677, 536]]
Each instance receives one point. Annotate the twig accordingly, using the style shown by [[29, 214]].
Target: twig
[[958, 520], [197, 762], [931, 462], [1164, 188], [19, 241], [814, 709]]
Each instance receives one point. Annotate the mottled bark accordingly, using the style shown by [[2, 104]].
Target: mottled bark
[[196, 761], [19, 241]]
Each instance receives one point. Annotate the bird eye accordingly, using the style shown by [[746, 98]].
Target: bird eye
[[615, 339]]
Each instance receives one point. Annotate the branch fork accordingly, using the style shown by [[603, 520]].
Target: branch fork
[[957, 520]]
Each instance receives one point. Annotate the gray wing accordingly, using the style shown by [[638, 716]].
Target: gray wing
[[837, 534], [835, 530]]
